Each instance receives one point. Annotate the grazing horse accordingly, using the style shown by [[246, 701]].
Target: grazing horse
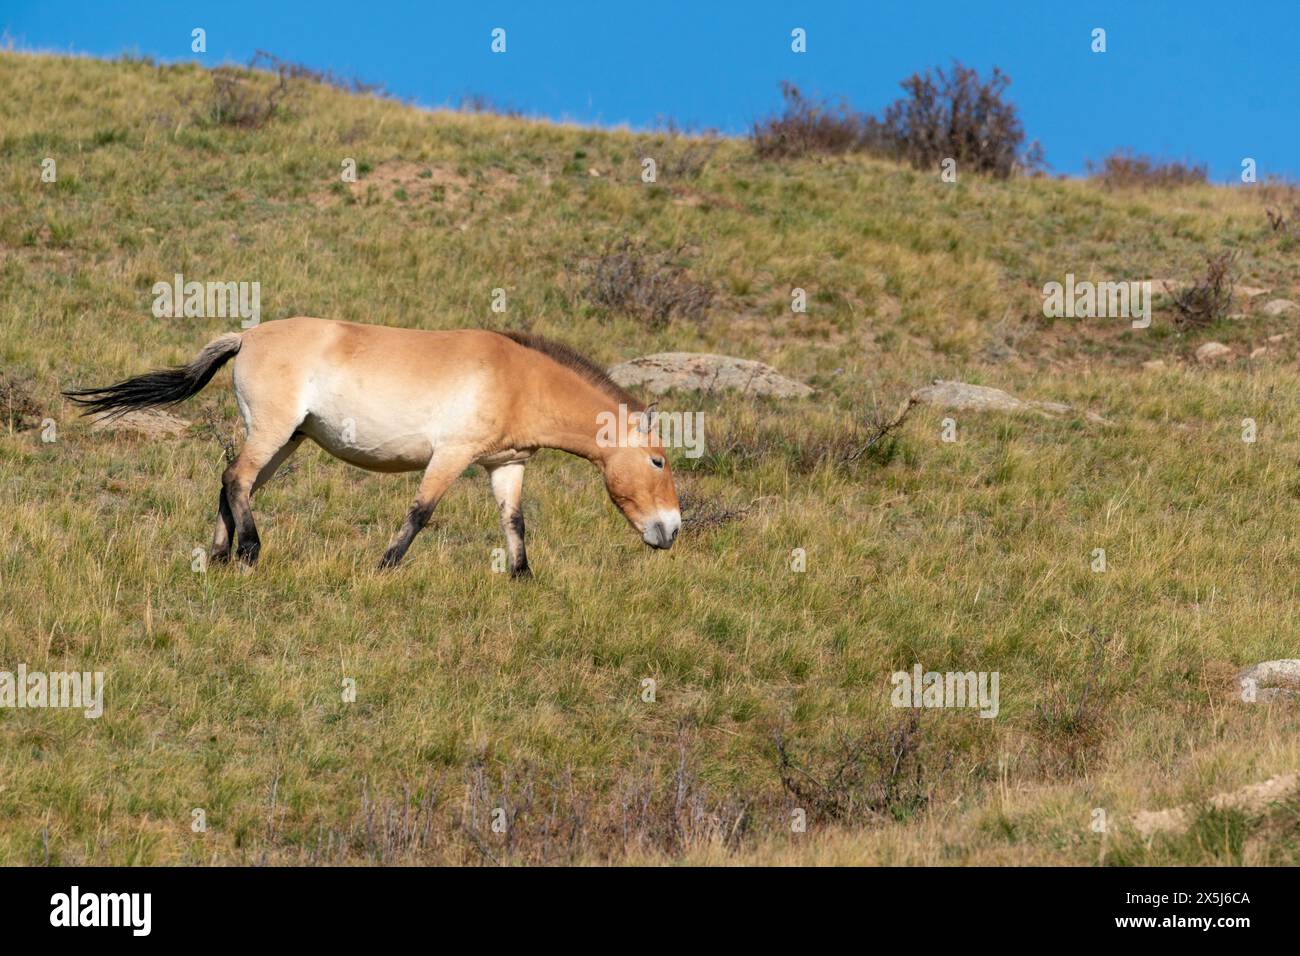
[[391, 400]]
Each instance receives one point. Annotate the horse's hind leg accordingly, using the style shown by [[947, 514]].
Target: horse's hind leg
[[508, 489], [225, 533], [263, 452]]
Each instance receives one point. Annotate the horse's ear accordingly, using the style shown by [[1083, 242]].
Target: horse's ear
[[648, 418]]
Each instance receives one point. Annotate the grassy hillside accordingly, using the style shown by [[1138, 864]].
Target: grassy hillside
[[772, 687]]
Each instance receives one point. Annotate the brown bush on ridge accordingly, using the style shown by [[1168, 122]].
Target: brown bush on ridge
[[945, 115], [808, 127], [1207, 300], [296, 71], [246, 99], [648, 286], [956, 115], [242, 99], [1123, 170]]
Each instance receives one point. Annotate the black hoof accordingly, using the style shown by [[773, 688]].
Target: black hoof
[[522, 574], [248, 553]]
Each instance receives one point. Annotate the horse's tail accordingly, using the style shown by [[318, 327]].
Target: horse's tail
[[168, 386]]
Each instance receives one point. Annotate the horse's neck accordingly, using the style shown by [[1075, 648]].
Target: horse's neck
[[570, 416]]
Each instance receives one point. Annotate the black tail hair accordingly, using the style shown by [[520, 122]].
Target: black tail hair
[[168, 386]]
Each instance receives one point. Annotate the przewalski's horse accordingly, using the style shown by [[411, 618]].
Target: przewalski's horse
[[391, 400]]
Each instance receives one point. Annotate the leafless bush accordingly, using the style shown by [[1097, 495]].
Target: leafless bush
[[511, 815], [701, 513], [17, 404], [646, 285], [880, 430], [1123, 170], [956, 115], [688, 161], [218, 430], [806, 127], [296, 71], [383, 829], [875, 778], [950, 114], [482, 103], [243, 99], [1207, 300], [873, 439]]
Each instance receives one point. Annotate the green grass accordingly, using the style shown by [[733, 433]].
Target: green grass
[[475, 692]]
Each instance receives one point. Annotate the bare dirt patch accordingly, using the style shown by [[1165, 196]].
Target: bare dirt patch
[[416, 184]]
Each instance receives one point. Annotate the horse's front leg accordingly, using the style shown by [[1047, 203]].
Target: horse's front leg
[[444, 467], [508, 489]]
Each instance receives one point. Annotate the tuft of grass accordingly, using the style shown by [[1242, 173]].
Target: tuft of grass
[[1207, 300], [648, 286], [1125, 170]]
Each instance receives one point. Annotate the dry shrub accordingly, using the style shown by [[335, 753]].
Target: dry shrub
[[510, 814], [806, 127], [950, 114], [1123, 170], [482, 103], [18, 406], [296, 71], [957, 115], [701, 513], [689, 161], [243, 99], [649, 286], [1207, 300], [873, 440], [250, 98], [877, 777]]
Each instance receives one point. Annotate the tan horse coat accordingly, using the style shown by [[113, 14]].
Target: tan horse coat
[[389, 399]]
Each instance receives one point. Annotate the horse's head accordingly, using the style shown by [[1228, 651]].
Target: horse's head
[[640, 481]]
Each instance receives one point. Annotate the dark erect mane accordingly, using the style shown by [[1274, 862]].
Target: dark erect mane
[[573, 359]]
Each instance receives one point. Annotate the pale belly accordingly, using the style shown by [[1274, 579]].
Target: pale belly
[[359, 443], [389, 433]]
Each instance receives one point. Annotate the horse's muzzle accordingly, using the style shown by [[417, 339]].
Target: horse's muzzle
[[662, 532]]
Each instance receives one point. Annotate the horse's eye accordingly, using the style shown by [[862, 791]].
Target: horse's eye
[[656, 461]]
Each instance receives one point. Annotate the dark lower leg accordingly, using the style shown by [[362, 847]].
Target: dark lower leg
[[221, 538], [416, 519], [513, 525], [237, 489]]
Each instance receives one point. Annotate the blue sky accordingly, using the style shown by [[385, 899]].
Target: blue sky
[[1196, 80]]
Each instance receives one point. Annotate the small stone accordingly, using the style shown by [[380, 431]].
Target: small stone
[[1154, 365], [1256, 353], [1212, 352], [1279, 307]]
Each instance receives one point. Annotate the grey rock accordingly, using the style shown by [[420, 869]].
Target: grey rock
[[700, 371], [961, 396]]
